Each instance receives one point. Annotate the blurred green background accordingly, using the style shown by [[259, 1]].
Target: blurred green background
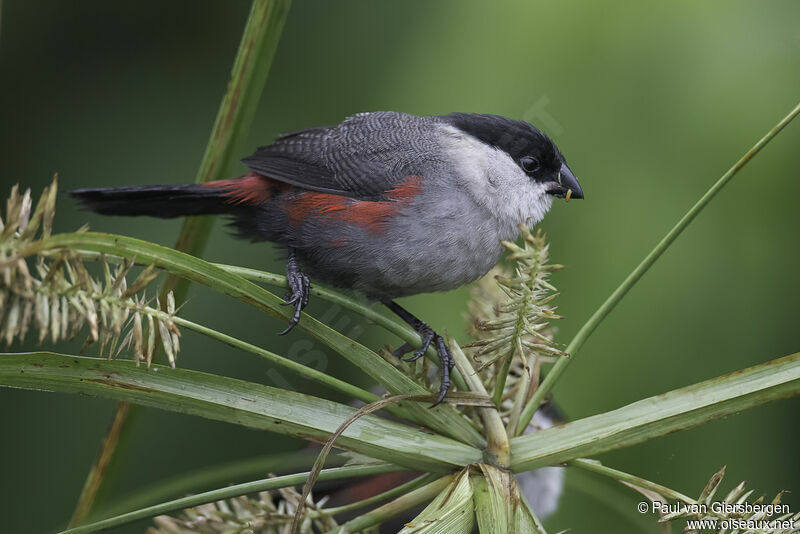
[[650, 102]]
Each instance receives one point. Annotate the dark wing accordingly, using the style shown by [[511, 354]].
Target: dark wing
[[362, 157], [296, 158]]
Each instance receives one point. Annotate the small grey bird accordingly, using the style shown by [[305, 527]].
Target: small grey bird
[[388, 204]]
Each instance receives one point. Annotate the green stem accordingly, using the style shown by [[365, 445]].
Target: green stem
[[229, 492], [529, 374], [402, 489], [615, 297], [236, 112], [498, 448], [596, 467], [97, 473], [402, 504], [248, 76], [390, 325], [500, 385], [613, 499]]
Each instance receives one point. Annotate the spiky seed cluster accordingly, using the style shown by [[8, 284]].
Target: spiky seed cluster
[[19, 227], [738, 498], [511, 313], [269, 512], [62, 297]]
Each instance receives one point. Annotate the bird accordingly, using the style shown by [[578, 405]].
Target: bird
[[385, 203]]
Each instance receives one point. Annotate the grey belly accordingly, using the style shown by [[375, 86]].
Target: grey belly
[[418, 254], [423, 266]]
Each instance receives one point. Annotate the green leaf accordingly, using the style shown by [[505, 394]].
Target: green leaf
[[409, 501], [499, 505], [619, 293], [445, 419], [235, 401], [659, 415], [285, 481], [451, 512], [212, 476]]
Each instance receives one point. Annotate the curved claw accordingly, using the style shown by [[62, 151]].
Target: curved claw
[[417, 355], [295, 318], [292, 324], [427, 337], [293, 321], [427, 334], [402, 349], [439, 399], [289, 301]]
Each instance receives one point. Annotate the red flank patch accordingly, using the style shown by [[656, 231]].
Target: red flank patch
[[373, 215], [252, 188]]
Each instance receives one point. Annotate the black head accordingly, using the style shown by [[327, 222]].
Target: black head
[[529, 147]]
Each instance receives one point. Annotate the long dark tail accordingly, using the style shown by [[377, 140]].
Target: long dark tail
[[164, 201]]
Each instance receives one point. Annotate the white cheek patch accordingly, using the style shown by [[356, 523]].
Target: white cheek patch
[[495, 180]]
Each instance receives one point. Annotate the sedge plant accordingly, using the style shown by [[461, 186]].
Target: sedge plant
[[465, 452]]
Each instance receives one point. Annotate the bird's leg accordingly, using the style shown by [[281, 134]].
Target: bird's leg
[[297, 295], [428, 336]]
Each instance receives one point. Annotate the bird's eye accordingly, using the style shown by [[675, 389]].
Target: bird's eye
[[529, 163]]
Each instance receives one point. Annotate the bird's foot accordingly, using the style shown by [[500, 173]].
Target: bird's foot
[[297, 296], [428, 336]]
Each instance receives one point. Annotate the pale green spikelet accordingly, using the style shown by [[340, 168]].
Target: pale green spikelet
[[522, 310], [60, 296], [732, 513], [268, 512], [511, 313]]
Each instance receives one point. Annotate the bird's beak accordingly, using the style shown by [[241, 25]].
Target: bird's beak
[[566, 182]]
